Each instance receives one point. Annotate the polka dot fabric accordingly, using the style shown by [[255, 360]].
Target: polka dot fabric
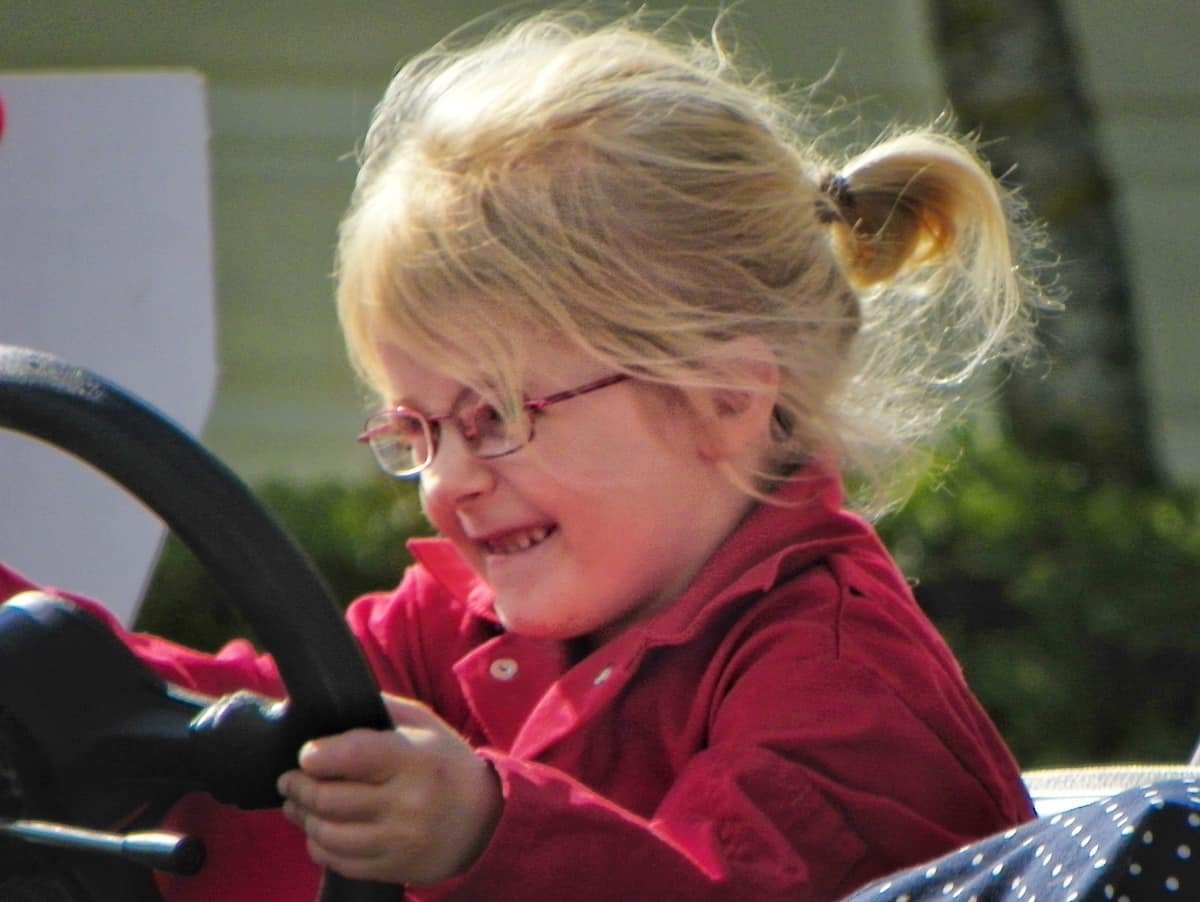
[[1142, 845]]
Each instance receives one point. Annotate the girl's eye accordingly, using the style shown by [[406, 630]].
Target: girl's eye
[[484, 421], [408, 429]]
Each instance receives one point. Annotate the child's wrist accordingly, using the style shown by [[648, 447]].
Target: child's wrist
[[482, 807], [490, 808]]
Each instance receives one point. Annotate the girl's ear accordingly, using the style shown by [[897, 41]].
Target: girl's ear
[[735, 422]]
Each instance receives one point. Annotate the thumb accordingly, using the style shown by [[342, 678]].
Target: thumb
[[408, 712]]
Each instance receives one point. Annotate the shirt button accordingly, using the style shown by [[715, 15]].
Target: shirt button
[[602, 676], [503, 669]]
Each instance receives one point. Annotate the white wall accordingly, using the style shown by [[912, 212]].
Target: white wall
[[1141, 65], [106, 262]]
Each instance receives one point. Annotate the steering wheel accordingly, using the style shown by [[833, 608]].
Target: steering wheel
[[330, 687]]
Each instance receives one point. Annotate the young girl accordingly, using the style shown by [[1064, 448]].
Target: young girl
[[626, 328]]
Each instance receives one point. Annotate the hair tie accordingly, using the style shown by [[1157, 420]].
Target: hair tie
[[836, 189]]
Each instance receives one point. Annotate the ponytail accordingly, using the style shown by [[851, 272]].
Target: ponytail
[[922, 213]]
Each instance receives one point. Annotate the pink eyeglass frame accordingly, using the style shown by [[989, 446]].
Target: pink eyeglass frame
[[533, 406]]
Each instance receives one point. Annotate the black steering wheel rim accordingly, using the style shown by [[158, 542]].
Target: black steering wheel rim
[[271, 581]]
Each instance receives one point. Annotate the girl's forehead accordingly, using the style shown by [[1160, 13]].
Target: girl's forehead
[[540, 364], [411, 373]]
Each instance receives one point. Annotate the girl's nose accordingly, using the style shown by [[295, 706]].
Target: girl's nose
[[455, 473]]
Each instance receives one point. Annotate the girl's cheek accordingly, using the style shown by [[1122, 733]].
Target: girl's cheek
[[441, 517], [429, 504]]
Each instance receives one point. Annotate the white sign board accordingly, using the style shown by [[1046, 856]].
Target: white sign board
[[105, 261]]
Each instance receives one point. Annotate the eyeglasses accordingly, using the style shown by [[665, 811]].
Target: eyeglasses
[[404, 441]]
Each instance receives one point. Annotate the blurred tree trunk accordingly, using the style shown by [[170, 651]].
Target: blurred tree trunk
[[1011, 75]]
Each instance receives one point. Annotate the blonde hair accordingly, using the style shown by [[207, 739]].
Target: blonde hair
[[640, 199]]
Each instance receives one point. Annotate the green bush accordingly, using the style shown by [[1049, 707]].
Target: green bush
[[1072, 605], [355, 535]]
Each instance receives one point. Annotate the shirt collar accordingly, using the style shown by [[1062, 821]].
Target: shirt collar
[[803, 522], [448, 567]]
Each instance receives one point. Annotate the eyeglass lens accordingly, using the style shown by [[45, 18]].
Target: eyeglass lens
[[401, 441], [404, 441]]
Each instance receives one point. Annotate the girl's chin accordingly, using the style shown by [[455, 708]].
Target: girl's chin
[[517, 618]]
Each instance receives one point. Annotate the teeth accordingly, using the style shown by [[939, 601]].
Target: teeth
[[519, 541]]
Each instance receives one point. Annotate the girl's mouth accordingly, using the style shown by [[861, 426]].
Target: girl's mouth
[[517, 541]]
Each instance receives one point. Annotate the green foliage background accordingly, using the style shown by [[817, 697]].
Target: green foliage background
[[1071, 603], [355, 535]]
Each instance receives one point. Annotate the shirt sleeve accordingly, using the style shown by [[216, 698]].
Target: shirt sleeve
[[712, 839]]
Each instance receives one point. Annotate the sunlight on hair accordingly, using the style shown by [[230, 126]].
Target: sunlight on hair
[[639, 197]]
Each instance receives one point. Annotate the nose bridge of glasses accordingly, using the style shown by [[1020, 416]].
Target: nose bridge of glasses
[[457, 459], [467, 425], [464, 420]]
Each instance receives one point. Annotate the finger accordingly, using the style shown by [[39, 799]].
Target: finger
[[379, 868], [408, 712], [336, 844], [366, 756], [336, 801]]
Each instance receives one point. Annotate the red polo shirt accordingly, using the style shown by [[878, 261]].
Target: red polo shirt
[[791, 727]]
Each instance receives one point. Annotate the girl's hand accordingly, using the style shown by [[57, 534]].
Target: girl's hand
[[414, 805]]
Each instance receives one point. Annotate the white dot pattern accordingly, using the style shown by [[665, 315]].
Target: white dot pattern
[[1139, 846]]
